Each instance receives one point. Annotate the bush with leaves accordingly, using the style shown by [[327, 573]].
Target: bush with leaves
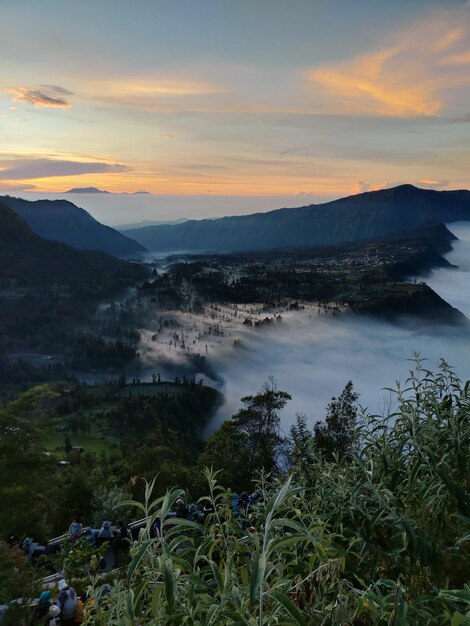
[[222, 572], [81, 559], [379, 535]]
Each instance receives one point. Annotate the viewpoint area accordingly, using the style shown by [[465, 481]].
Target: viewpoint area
[[234, 314]]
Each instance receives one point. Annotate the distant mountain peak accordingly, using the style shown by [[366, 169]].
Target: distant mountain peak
[[140, 192], [86, 190]]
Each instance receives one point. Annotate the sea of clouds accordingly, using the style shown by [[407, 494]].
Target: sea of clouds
[[313, 356]]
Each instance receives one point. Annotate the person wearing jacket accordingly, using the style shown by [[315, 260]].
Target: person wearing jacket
[[67, 603]]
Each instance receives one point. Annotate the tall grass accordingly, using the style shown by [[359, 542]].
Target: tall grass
[[381, 536]]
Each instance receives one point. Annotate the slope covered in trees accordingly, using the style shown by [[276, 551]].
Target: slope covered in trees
[[48, 288], [31, 260], [368, 215], [60, 220]]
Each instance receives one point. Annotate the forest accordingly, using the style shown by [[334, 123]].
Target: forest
[[362, 520]]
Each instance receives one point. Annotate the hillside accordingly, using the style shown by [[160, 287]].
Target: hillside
[[32, 261], [49, 293], [60, 220], [364, 216]]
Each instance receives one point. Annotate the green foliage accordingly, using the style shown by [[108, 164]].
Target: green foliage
[[376, 536], [17, 577], [229, 450], [106, 505], [259, 420], [218, 573], [337, 434], [82, 559], [301, 444], [24, 472], [136, 430]]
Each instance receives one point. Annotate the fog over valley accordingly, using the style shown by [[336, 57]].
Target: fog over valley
[[234, 313], [313, 355], [118, 209], [454, 284]]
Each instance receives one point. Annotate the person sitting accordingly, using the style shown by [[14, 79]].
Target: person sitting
[[80, 612], [123, 532], [33, 549], [105, 534], [75, 530], [181, 508], [195, 514], [244, 501], [42, 607], [54, 616], [89, 535], [67, 603]]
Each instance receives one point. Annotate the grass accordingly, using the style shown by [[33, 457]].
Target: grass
[[91, 442], [107, 398], [151, 389], [101, 392]]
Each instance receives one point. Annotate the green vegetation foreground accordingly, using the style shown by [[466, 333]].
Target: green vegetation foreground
[[376, 533]]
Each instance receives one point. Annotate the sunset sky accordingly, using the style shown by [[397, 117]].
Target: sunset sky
[[234, 97]]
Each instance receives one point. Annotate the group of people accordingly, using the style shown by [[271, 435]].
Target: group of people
[[107, 533], [70, 609], [241, 504], [67, 610]]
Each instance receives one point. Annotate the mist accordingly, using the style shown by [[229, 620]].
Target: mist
[[312, 356], [313, 359], [453, 284], [119, 209]]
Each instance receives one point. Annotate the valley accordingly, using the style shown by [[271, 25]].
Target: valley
[[114, 372]]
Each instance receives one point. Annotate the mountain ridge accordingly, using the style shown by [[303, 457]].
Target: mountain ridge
[[33, 260], [93, 190], [63, 221], [352, 218]]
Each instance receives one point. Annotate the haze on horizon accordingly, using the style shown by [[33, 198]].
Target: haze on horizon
[[219, 107]]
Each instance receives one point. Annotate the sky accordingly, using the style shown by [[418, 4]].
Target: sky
[[252, 102]]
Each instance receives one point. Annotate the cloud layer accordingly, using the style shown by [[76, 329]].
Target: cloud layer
[[26, 169], [43, 96], [407, 78]]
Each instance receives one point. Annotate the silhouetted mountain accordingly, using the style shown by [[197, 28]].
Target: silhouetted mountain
[[87, 190], [60, 220], [144, 223], [32, 261], [369, 215], [141, 192]]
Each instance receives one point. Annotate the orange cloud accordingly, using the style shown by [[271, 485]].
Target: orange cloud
[[462, 58], [448, 39], [405, 79], [43, 96]]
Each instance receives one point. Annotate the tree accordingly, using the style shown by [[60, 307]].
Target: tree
[[301, 444], [106, 505], [336, 434], [228, 450], [259, 420]]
